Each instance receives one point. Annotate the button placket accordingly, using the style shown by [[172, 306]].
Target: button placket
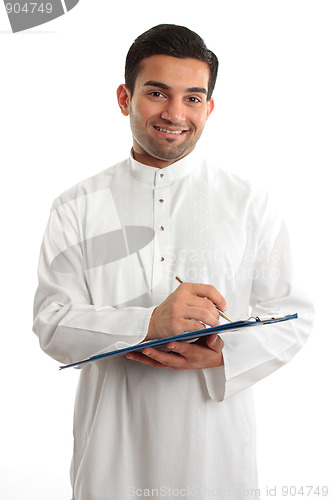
[[161, 220], [161, 224]]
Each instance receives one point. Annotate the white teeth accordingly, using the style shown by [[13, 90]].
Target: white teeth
[[169, 131]]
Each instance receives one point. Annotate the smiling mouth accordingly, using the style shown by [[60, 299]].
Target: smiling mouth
[[174, 132]]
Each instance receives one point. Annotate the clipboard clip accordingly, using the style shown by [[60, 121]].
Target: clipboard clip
[[266, 318]]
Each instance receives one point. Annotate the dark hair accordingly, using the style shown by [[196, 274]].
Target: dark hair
[[171, 40]]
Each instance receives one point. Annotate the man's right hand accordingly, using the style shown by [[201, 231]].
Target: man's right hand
[[189, 308]]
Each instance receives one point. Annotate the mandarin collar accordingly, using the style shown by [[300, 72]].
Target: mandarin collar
[[175, 171]]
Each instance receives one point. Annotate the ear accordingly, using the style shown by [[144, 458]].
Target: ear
[[210, 107], [124, 98]]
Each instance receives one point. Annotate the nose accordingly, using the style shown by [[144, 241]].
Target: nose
[[174, 112]]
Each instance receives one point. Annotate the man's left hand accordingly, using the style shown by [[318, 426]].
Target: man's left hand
[[204, 353]]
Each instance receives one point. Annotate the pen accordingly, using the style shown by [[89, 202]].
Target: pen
[[222, 314]]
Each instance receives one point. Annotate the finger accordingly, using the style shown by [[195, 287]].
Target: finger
[[202, 314], [165, 359], [197, 355], [203, 303], [145, 360], [190, 325], [185, 349], [211, 293]]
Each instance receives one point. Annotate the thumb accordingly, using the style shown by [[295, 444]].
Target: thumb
[[214, 342]]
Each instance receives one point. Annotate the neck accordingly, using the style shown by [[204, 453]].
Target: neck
[[151, 161]]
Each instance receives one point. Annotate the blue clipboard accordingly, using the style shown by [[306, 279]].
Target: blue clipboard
[[233, 326]]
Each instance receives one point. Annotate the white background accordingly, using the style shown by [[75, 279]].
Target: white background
[[60, 123]]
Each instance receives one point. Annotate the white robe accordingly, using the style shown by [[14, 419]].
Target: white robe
[[111, 251]]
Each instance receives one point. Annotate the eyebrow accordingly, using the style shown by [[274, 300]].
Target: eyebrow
[[160, 85]]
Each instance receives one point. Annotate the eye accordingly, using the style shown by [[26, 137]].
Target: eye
[[194, 100], [156, 94]]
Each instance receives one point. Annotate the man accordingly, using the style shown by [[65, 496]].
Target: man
[[178, 422]]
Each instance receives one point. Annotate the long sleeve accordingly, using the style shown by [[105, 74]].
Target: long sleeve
[[251, 355], [70, 326]]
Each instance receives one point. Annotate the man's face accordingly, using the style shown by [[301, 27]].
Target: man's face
[[168, 109]]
